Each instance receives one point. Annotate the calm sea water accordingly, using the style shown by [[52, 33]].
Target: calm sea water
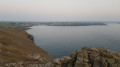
[[61, 41]]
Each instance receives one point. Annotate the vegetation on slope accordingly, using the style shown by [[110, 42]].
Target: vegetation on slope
[[15, 44]]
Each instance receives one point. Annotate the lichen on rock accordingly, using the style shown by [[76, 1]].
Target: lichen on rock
[[89, 57]]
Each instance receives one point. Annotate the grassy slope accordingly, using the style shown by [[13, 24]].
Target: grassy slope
[[15, 44]]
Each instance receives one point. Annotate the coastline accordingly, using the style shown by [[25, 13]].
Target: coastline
[[30, 36], [36, 57]]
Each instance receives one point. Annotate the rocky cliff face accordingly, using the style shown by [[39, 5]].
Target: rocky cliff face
[[30, 36], [86, 57], [89, 57]]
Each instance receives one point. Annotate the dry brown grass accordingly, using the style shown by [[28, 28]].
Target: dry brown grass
[[15, 44]]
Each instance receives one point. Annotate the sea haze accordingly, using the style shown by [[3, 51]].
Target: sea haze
[[61, 41]]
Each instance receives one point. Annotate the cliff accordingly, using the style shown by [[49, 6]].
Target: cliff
[[89, 57], [17, 46]]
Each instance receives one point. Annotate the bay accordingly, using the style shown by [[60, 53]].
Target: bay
[[61, 41]]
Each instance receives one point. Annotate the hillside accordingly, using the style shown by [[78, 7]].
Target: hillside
[[16, 46]]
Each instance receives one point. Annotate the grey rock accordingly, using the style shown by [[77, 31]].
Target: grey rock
[[90, 57]]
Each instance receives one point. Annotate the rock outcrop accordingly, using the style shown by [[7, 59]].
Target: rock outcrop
[[86, 57], [30, 36], [89, 57]]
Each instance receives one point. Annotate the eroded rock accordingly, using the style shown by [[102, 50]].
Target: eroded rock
[[86, 57], [34, 56], [90, 57]]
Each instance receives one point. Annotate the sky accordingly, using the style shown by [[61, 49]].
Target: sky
[[59, 10]]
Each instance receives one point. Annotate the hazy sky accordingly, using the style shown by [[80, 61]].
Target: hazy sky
[[59, 10]]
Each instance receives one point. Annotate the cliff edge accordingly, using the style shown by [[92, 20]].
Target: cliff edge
[[17, 47]]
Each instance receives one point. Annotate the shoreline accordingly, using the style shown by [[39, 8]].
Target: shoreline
[[32, 37], [85, 57]]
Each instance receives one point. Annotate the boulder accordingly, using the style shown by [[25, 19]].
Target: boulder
[[34, 56]]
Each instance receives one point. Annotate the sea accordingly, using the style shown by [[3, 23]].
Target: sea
[[61, 41]]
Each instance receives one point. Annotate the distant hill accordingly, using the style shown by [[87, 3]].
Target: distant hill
[[57, 23], [75, 24]]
